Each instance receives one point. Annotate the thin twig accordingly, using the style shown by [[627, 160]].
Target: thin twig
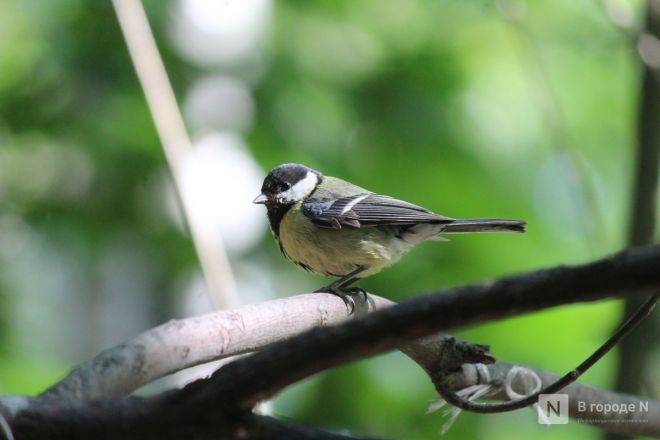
[[584, 401], [176, 143], [488, 408]]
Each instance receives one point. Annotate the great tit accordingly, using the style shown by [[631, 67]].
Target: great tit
[[334, 228]]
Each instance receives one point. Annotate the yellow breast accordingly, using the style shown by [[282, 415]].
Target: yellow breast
[[336, 252]]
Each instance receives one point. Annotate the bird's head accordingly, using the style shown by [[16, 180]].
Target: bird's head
[[288, 184]]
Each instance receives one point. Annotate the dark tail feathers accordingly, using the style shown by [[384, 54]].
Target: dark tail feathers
[[462, 226]]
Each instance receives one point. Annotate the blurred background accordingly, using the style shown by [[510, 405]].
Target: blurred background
[[473, 108]]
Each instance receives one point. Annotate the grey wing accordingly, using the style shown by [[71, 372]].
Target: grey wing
[[368, 210]]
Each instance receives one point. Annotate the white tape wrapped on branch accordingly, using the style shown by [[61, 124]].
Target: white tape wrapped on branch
[[530, 382]]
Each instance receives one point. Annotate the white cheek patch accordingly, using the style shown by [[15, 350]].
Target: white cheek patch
[[301, 189]]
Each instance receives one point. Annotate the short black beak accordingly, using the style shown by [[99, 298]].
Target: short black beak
[[260, 199]]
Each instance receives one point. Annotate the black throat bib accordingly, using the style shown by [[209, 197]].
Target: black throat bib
[[275, 214]]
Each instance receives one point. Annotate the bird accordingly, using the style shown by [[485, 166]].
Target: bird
[[332, 227]]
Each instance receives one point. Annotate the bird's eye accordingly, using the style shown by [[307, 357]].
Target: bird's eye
[[286, 186]]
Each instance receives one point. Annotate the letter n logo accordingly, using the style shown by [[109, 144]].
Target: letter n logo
[[553, 409]]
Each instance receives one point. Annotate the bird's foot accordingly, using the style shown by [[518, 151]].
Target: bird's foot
[[357, 291], [346, 295]]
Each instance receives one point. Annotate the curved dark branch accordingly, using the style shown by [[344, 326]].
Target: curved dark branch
[[132, 418], [261, 375]]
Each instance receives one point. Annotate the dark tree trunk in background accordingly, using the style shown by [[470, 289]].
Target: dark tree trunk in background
[[636, 350]]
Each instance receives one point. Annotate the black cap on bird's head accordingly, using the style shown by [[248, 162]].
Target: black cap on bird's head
[[287, 184]]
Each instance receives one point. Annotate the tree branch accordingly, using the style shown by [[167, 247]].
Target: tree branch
[[260, 376], [183, 343], [179, 344], [236, 387], [131, 418]]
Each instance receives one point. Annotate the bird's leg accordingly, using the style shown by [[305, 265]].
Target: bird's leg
[[338, 288]]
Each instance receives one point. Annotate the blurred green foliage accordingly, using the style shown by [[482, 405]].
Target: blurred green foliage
[[470, 108]]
